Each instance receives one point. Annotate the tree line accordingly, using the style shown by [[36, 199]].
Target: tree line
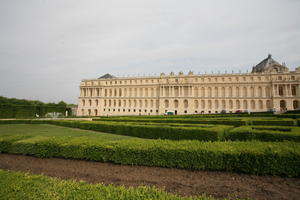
[[22, 108]]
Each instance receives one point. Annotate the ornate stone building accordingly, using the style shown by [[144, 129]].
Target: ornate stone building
[[270, 86]]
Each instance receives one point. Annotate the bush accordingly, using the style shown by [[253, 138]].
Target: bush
[[150, 131], [281, 158], [230, 121], [281, 122], [264, 133]]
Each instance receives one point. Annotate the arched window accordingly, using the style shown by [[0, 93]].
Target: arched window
[[260, 105], [176, 90], [185, 103], [216, 92], [216, 104], [283, 105], [196, 104], [202, 92], [202, 104], [267, 92], [268, 104], [96, 112], [209, 104], [196, 91], [209, 91], [280, 91], [244, 92], [259, 92], [230, 104], [230, 91], [245, 103], [223, 104], [237, 91], [252, 92], [294, 89], [223, 92], [166, 103], [252, 104], [295, 104], [238, 104]]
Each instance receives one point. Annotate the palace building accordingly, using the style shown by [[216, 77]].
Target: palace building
[[269, 87]]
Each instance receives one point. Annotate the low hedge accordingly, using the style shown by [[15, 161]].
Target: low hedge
[[264, 133], [218, 121], [280, 158], [19, 185], [231, 122], [150, 131], [272, 122]]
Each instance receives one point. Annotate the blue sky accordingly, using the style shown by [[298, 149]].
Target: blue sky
[[48, 46]]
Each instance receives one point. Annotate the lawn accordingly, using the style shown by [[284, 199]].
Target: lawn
[[51, 130]]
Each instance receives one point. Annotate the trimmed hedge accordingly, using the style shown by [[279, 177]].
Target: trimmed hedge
[[264, 133], [222, 121], [150, 131], [19, 185], [231, 122], [281, 158]]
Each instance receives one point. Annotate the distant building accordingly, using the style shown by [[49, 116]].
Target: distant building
[[270, 86]]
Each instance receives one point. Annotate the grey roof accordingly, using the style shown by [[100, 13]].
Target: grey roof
[[268, 64], [106, 76]]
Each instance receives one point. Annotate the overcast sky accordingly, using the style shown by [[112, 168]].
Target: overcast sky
[[48, 46]]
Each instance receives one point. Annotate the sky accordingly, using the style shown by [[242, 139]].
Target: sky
[[48, 46]]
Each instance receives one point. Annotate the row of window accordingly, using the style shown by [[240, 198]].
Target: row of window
[[188, 79], [296, 105], [186, 91], [176, 104]]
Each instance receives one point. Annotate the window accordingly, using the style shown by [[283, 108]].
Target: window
[[280, 90]]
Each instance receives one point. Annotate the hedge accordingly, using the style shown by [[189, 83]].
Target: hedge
[[227, 121], [231, 122], [280, 158], [264, 133], [19, 185], [150, 131]]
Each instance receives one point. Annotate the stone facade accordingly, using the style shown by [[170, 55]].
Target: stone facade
[[270, 86]]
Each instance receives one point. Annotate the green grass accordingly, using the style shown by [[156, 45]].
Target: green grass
[[17, 185], [51, 130]]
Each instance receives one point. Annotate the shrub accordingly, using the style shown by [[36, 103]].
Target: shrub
[[264, 133], [150, 131], [281, 158]]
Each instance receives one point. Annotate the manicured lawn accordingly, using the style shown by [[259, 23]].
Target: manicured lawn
[[51, 130]]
